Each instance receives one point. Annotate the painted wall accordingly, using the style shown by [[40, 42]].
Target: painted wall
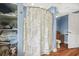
[[62, 26]]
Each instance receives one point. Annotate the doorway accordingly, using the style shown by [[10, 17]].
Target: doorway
[[61, 34]]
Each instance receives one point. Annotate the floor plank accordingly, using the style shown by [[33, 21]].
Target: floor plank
[[66, 52]]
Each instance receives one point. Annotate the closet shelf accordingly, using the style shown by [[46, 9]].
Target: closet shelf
[[9, 29], [4, 42]]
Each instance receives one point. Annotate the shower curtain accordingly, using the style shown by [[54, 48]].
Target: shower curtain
[[38, 31]]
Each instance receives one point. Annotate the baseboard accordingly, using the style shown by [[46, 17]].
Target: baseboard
[[54, 49]]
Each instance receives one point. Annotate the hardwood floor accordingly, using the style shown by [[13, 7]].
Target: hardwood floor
[[65, 52]]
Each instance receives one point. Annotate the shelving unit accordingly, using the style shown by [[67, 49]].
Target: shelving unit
[[8, 35], [4, 42]]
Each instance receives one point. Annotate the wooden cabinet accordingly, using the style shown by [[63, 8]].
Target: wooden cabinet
[[58, 35]]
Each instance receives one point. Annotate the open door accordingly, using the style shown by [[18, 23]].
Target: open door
[[73, 31], [38, 31]]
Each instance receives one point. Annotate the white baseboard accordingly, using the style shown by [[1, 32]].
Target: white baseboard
[[54, 49], [45, 51]]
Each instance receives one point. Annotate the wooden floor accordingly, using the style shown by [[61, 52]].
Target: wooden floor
[[65, 52]]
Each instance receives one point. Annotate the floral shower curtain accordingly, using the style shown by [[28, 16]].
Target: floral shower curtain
[[38, 31]]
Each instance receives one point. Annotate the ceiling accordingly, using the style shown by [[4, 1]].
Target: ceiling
[[63, 8]]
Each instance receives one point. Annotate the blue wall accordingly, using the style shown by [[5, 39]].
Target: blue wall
[[62, 26]]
